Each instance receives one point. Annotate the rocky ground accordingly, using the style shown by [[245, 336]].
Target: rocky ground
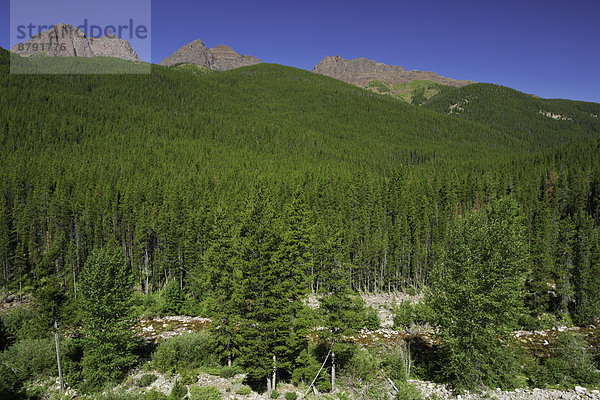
[[433, 390]]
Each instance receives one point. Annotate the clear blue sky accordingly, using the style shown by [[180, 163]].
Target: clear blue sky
[[549, 48]]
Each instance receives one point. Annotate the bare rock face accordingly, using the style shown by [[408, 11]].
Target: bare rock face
[[192, 53], [361, 71], [226, 58], [219, 58], [63, 40]]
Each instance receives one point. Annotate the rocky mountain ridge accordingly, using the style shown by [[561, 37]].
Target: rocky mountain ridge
[[362, 71], [219, 58], [64, 40]]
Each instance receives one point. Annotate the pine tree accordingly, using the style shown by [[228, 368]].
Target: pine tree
[[105, 294], [477, 296], [224, 277]]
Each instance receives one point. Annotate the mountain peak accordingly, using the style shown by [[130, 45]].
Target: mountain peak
[[362, 71], [69, 41], [219, 58]]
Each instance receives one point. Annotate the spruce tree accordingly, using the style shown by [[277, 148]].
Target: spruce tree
[[105, 294], [477, 295]]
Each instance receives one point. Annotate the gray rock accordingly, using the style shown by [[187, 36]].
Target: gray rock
[[192, 53], [63, 40], [219, 58], [361, 71], [226, 58]]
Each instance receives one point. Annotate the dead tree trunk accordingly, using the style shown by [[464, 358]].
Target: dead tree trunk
[[333, 371], [57, 344], [274, 372]]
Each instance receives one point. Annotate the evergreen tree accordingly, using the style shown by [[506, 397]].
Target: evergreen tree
[[51, 299], [224, 277], [105, 294], [477, 296]]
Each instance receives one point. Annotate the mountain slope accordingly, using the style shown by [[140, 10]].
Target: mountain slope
[[520, 115], [152, 162]]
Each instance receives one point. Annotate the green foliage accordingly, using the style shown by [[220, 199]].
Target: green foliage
[[363, 366], [379, 86], [31, 358], [518, 114], [4, 341], [478, 295], [145, 380], [18, 324], [372, 321], [9, 382], [308, 363], [205, 393], [178, 392], [403, 315], [186, 351], [227, 372], [291, 396], [155, 395], [393, 363], [146, 306], [407, 391], [104, 298], [243, 391], [571, 363], [173, 299], [275, 394]]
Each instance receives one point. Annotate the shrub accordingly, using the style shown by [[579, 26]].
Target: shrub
[[245, 391], [403, 315], [186, 351], [227, 372], [372, 321], [291, 396], [178, 392], [362, 367], [394, 363], [155, 395], [571, 363], [31, 358], [408, 391], [146, 380], [274, 394], [205, 393], [308, 363], [146, 306], [173, 299], [9, 383]]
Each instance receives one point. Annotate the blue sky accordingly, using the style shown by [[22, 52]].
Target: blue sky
[[548, 48]]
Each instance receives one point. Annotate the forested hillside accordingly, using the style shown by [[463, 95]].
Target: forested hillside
[[541, 122], [235, 194], [147, 161]]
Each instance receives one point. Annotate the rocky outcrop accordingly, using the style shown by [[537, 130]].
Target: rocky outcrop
[[63, 40], [226, 58], [192, 53], [361, 71], [219, 58]]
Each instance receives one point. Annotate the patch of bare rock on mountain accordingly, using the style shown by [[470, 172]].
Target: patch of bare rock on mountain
[[64, 40], [219, 58], [192, 53], [361, 71], [226, 58]]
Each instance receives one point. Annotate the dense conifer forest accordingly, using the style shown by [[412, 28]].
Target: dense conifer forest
[[235, 195]]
